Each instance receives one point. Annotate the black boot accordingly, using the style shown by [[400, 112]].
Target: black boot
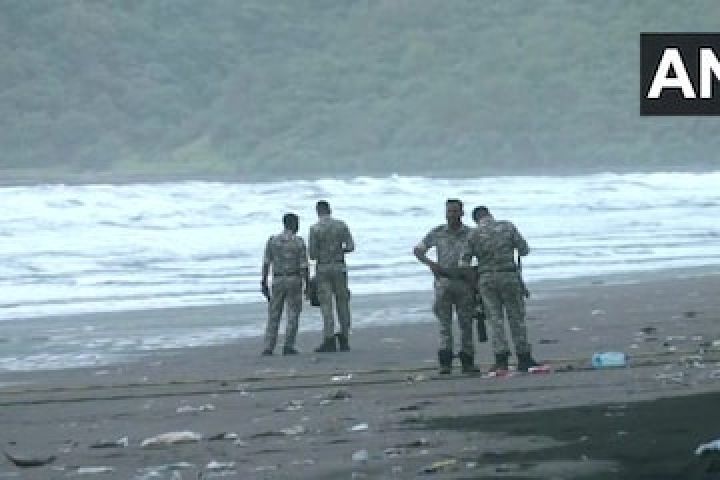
[[526, 361], [343, 342], [289, 350], [468, 363], [445, 360], [501, 362], [328, 345]]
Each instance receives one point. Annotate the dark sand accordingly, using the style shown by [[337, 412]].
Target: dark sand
[[291, 423]]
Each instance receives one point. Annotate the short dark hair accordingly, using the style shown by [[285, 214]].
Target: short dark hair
[[322, 206], [481, 211], [290, 220], [455, 201]]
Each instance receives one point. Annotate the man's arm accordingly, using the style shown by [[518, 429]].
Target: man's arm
[[348, 243], [304, 265], [312, 244], [267, 260], [520, 243], [420, 252]]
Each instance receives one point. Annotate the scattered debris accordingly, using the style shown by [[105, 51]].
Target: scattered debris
[[648, 330], [266, 468], [419, 377], [547, 341], [360, 427], [342, 378], [296, 430], [540, 369], [609, 359], [171, 438], [597, 312], [713, 446], [93, 470], [23, 462], [291, 406], [360, 456], [394, 452], [420, 442], [675, 377], [215, 466], [119, 443], [440, 466], [223, 436], [201, 408], [392, 340], [339, 394]]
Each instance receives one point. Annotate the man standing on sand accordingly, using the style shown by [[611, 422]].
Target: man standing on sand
[[287, 255], [452, 289], [328, 242], [493, 243]]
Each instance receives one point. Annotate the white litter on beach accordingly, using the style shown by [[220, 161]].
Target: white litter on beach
[[360, 427], [216, 466], [94, 470], [171, 438], [708, 447], [296, 430], [201, 408]]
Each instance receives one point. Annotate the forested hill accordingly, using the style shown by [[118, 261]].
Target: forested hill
[[317, 87]]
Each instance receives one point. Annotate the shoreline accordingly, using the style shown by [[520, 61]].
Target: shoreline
[[136, 335]]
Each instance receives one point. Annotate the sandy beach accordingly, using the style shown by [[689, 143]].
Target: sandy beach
[[381, 411]]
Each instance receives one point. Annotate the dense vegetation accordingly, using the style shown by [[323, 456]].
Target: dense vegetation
[[307, 87]]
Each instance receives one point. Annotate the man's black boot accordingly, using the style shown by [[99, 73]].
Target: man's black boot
[[526, 361], [501, 362], [343, 342], [289, 350], [445, 360], [468, 363], [327, 346]]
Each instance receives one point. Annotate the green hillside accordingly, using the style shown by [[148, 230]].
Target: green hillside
[[254, 88]]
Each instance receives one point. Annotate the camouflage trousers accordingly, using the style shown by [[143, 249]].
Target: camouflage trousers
[[333, 284], [458, 294], [285, 290], [502, 293]]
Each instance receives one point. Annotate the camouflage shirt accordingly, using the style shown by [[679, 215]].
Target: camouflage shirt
[[286, 253], [328, 242], [494, 242], [449, 244]]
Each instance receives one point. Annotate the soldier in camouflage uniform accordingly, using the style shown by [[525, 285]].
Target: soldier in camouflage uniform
[[287, 256], [493, 243], [329, 241], [452, 289]]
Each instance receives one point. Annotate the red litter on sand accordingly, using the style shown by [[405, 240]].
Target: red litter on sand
[[540, 369]]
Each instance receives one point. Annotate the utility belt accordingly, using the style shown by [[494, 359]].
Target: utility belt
[[497, 270], [331, 262]]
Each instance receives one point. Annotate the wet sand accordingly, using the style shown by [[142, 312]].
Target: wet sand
[[381, 411]]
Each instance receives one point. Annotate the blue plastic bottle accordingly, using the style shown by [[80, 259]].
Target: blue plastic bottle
[[609, 359]]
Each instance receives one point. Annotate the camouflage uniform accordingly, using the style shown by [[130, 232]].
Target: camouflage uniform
[[328, 241], [452, 290], [494, 243], [287, 254]]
